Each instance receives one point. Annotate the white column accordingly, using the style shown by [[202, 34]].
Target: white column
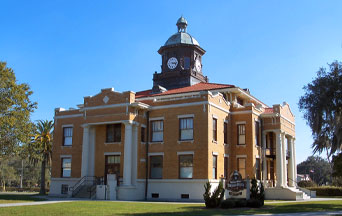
[[284, 160], [291, 163], [134, 154], [279, 158], [294, 161], [91, 153], [127, 155], [85, 151], [264, 171]]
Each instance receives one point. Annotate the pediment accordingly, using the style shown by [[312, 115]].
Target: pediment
[[286, 111], [107, 97]]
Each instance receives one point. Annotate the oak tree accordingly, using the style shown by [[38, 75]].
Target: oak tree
[[15, 110]]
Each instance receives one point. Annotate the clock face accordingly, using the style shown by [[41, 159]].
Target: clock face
[[198, 65], [172, 63]]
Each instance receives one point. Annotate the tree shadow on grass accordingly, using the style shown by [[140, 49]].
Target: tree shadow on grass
[[267, 209]]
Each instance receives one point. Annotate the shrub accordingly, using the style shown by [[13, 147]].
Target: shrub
[[254, 189], [306, 184], [254, 203], [228, 203], [241, 203], [213, 200], [26, 189], [262, 192], [327, 191]]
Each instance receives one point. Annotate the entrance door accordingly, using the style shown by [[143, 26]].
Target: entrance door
[[112, 166]]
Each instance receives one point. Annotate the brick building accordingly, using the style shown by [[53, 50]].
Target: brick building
[[166, 142]]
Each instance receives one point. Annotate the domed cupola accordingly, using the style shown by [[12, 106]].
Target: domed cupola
[[181, 37], [181, 60]]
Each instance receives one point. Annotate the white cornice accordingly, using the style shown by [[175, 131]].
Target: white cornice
[[179, 95], [68, 116], [245, 112]]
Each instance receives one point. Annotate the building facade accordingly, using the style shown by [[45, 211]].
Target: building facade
[[166, 142]]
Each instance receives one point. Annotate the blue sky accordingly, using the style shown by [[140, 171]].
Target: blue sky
[[66, 50]]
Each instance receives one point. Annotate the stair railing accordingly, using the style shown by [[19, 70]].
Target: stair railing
[[83, 181]]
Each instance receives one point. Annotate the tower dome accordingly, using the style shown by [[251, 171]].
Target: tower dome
[[181, 37]]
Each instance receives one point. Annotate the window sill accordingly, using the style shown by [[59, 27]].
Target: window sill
[[185, 141], [213, 141], [156, 142], [142, 142], [241, 145], [106, 143], [66, 146]]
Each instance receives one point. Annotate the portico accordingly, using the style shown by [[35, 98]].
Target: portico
[[283, 155], [129, 142]]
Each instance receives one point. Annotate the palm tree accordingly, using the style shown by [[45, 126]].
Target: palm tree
[[41, 148]]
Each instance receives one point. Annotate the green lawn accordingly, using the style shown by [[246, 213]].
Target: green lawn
[[154, 209], [18, 198]]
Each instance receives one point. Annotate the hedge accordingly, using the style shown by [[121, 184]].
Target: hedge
[[26, 189], [327, 191]]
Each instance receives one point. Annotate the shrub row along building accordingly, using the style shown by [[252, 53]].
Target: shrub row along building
[[166, 142]]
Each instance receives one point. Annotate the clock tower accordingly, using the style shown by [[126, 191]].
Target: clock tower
[[181, 61]]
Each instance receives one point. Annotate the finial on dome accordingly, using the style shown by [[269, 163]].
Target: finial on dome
[[182, 24]]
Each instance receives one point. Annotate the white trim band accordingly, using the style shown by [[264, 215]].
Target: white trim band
[[156, 154], [186, 153], [112, 153]]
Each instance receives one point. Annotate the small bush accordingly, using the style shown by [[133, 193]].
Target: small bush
[[228, 203], [254, 189], [306, 184], [327, 191], [254, 203], [213, 200], [241, 203]]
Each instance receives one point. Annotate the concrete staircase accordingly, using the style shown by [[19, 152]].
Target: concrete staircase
[[285, 193], [85, 192]]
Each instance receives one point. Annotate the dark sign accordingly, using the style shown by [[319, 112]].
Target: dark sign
[[235, 184]]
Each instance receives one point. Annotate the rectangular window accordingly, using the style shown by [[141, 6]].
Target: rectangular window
[[186, 63], [239, 101], [155, 195], [66, 167], [214, 129], [156, 167], [214, 166], [257, 169], [185, 166], [242, 167], [143, 134], [67, 136], [226, 167], [257, 142], [185, 196], [157, 131], [186, 129], [241, 134], [64, 189], [225, 132], [113, 133]]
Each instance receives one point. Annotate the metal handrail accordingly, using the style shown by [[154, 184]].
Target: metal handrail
[[76, 188]]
